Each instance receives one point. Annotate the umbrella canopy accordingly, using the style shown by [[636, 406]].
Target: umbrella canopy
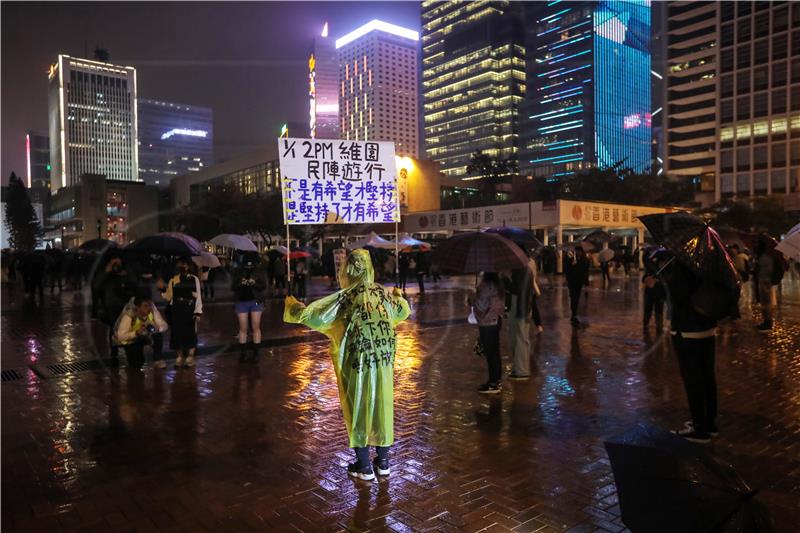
[[599, 237], [298, 254], [585, 245], [407, 243], [790, 245], [206, 260], [97, 245], [470, 253], [666, 484], [522, 237], [730, 236], [372, 240], [166, 244], [231, 240], [695, 244], [606, 255]]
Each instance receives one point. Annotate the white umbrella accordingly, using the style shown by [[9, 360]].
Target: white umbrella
[[407, 241], [281, 249], [206, 260], [606, 255], [374, 240], [230, 240], [790, 245]]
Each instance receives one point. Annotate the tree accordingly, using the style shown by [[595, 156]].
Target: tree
[[490, 171], [757, 215], [22, 224]]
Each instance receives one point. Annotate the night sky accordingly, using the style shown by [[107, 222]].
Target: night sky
[[247, 61]]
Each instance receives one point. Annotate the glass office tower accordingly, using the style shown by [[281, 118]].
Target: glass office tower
[[588, 100]]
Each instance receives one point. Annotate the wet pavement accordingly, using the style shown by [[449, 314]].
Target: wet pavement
[[262, 447]]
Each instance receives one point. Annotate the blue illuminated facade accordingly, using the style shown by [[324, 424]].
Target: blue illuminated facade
[[588, 96], [174, 139]]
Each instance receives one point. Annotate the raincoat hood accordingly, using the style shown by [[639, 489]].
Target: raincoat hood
[[357, 269]]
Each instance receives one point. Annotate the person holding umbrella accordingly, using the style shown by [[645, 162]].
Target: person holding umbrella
[[186, 306], [360, 320], [702, 288], [577, 271], [488, 305], [249, 285], [521, 299]]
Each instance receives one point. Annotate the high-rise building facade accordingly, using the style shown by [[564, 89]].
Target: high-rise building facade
[[378, 85], [588, 101], [174, 139], [473, 80], [758, 98], [691, 112], [92, 121], [323, 88], [37, 159]]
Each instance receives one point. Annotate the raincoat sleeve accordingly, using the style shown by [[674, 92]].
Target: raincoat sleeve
[[124, 332], [160, 323], [399, 308], [321, 315]]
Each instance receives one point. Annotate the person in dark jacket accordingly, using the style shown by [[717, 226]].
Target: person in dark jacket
[[693, 341], [116, 288], [420, 271], [184, 295], [576, 268], [249, 284], [402, 268], [654, 294]]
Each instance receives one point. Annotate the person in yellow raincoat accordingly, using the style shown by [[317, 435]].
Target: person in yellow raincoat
[[360, 320]]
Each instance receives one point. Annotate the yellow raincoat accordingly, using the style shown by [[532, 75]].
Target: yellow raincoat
[[360, 320]]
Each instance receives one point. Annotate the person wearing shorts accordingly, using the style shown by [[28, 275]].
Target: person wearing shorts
[[249, 284]]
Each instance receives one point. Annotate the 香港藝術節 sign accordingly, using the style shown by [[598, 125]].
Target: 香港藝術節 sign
[[328, 181]]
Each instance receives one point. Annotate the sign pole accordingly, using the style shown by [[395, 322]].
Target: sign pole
[[396, 255], [288, 262]]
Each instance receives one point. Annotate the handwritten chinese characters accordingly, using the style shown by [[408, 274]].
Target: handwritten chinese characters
[[328, 181]]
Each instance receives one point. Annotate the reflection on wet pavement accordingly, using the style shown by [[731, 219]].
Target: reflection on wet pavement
[[244, 447]]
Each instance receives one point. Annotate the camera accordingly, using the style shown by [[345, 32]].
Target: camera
[[150, 328]]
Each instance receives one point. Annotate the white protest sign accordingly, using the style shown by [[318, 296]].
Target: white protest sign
[[327, 181]]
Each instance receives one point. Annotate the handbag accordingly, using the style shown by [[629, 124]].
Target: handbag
[[471, 319]]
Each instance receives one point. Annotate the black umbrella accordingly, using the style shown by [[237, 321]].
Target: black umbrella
[[178, 244], [599, 237], [470, 253], [666, 484], [695, 244], [522, 237], [97, 245]]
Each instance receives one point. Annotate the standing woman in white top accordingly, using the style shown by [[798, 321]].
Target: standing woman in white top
[[183, 293]]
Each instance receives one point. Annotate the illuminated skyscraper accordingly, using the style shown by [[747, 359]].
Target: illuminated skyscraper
[[323, 88], [588, 99], [473, 80], [37, 159], [378, 85], [174, 139], [758, 97], [92, 121]]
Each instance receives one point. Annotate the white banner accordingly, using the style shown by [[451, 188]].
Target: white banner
[[327, 181]]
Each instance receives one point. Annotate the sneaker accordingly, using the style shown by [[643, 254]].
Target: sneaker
[[518, 377], [381, 467], [490, 388], [159, 364], [357, 471], [190, 361], [693, 436], [179, 361], [714, 431]]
